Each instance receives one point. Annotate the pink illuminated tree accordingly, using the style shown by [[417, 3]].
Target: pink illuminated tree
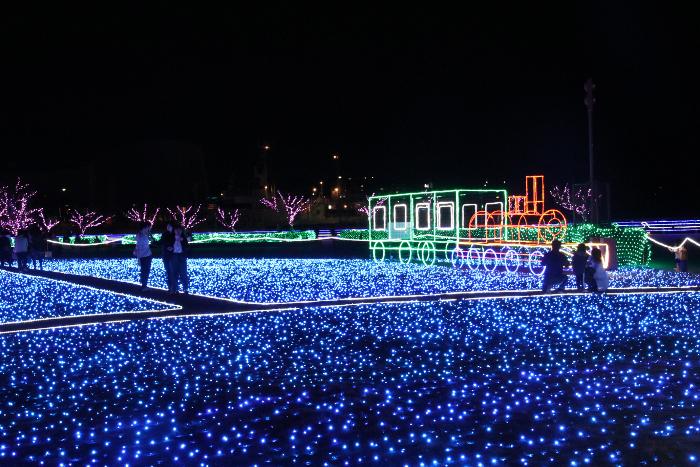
[[363, 208], [293, 205], [46, 223], [271, 203], [15, 211], [137, 215], [228, 219], [576, 201], [187, 216], [86, 220]]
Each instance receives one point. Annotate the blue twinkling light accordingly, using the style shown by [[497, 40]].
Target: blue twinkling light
[[24, 298], [285, 280], [556, 380]]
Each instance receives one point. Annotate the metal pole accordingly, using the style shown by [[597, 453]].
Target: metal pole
[[589, 101]]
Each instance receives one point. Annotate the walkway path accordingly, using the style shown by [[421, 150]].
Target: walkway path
[[188, 305]]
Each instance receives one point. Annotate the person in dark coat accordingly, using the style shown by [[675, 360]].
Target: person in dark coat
[[179, 260], [5, 249], [554, 262], [37, 248], [22, 249], [167, 239], [578, 264]]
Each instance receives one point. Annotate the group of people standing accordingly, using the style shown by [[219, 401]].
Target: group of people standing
[[28, 245], [174, 244], [588, 269]]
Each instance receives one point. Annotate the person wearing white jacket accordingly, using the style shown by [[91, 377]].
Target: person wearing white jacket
[[599, 281], [143, 252]]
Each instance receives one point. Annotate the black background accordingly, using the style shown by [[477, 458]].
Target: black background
[[408, 94]]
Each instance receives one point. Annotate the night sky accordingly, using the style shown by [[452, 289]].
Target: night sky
[[407, 94]]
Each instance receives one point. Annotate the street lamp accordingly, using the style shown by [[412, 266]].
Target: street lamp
[[589, 100]]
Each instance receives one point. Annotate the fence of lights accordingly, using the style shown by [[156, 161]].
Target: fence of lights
[[241, 237], [664, 226], [287, 280], [24, 298], [208, 237], [480, 229], [570, 380]]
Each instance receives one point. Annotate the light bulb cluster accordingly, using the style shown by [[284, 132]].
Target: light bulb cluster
[[287, 280], [569, 380], [24, 298], [84, 239], [239, 237], [633, 247], [354, 234]]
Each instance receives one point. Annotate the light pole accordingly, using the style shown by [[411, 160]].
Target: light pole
[[589, 101]]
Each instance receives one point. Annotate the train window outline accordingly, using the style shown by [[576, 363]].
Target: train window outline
[[465, 218], [496, 228], [374, 217], [420, 207], [486, 211], [401, 225], [438, 210]]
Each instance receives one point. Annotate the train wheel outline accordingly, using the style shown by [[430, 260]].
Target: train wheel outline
[[511, 260], [457, 257], [427, 253], [535, 258], [473, 258], [551, 225], [494, 260], [449, 248], [378, 246], [402, 248]]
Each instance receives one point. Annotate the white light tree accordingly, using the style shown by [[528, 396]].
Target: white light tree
[[187, 216], [87, 220], [228, 219], [137, 215]]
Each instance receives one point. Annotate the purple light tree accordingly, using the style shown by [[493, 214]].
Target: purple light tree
[[293, 205], [142, 216], [270, 203], [46, 223], [86, 220], [15, 213], [363, 208], [576, 201], [187, 216], [228, 219]]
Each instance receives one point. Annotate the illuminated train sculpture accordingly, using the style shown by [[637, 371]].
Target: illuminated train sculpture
[[474, 228]]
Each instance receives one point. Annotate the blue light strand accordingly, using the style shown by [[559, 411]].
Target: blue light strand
[[287, 280], [24, 298], [564, 380]]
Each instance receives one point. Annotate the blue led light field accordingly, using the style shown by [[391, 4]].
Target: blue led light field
[[285, 280], [570, 380], [25, 297]]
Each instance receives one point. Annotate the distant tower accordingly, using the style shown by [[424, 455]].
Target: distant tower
[[260, 171], [589, 101], [338, 190]]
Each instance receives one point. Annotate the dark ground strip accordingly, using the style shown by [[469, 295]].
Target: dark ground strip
[[189, 305]]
